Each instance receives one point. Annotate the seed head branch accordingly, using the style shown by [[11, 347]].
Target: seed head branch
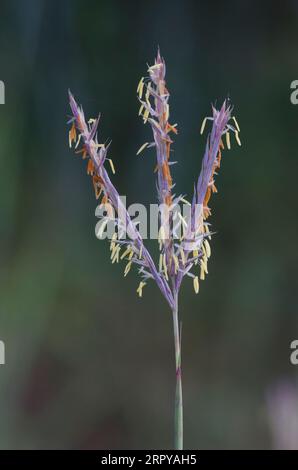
[[96, 154]]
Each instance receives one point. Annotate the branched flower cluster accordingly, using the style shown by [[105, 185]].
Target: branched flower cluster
[[188, 254]]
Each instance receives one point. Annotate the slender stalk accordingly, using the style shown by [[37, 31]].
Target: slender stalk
[[176, 259], [178, 396]]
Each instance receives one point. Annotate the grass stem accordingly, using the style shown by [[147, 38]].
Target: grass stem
[[178, 395]]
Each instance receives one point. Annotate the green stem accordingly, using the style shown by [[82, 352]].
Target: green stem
[[178, 397]]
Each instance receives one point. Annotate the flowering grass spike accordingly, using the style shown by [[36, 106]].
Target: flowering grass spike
[[179, 256]]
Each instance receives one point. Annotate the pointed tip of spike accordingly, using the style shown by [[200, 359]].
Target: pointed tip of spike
[[159, 59], [71, 96]]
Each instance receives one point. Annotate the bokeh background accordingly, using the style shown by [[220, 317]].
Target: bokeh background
[[89, 364]]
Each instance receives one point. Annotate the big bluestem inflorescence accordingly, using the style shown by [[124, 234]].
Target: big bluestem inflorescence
[[188, 254], [177, 258]]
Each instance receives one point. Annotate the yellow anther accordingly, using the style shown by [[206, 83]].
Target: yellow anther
[[147, 95], [140, 288], [167, 112], [228, 140], [208, 249], [237, 138], [140, 87], [202, 273], [146, 115], [204, 264], [185, 201], [165, 267], [203, 125], [126, 252], [127, 268], [112, 165], [182, 255], [196, 284], [236, 124], [161, 235], [116, 254], [160, 261], [142, 148], [176, 262], [78, 141]]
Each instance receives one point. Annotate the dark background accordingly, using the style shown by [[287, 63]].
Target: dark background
[[89, 364]]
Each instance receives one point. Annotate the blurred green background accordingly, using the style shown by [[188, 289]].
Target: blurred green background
[[89, 364]]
